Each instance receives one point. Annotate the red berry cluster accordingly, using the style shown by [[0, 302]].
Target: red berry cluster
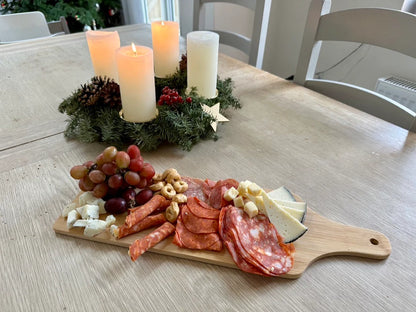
[[171, 97]]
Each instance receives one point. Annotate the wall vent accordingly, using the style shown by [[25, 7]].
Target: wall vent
[[399, 90]]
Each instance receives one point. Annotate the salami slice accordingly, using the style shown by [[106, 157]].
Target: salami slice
[[198, 225], [216, 197], [140, 246], [260, 243], [146, 223], [229, 242], [195, 188], [186, 239], [137, 214]]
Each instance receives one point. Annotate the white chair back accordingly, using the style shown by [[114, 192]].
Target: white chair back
[[23, 26], [374, 26]]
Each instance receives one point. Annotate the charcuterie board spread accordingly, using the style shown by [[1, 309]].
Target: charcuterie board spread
[[227, 223]]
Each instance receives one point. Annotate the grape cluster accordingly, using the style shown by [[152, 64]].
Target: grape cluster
[[121, 178], [171, 97]]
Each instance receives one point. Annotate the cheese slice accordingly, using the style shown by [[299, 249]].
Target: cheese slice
[[296, 213], [282, 193], [295, 205], [288, 227]]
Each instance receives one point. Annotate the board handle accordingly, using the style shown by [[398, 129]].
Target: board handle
[[330, 238]]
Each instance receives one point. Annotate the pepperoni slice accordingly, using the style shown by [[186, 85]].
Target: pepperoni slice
[[260, 243], [198, 225], [201, 209], [186, 239]]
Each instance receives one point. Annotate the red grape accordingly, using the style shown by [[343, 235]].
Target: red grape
[[109, 153], [148, 171], [142, 184], [136, 164], [78, 172], [115, 205], [122, 160], [132, 177], [133, 151], [143, 197], [85, 184], [115, 181], [100, 160], [129, 195], [100, 190], [97, 176], [109, 168], [89, 164]]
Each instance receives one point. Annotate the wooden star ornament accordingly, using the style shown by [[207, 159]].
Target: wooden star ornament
[[214, 111]]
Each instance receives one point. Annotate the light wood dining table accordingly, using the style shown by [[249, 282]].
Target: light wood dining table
[[350, 167]]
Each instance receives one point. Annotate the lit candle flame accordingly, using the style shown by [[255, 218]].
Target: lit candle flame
[[133, 47], [163, 24]]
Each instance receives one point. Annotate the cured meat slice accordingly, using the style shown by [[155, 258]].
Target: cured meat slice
[[137, 214], [198, 225], [229, 242], [201, 209], [141, 245], [146, 223], [216, 197], [260, 243], [186, 239], [208, 186], [195, 188]]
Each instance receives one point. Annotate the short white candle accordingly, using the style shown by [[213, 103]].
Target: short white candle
[[137, 83], [202, 62], [165, 39], [103, 46]]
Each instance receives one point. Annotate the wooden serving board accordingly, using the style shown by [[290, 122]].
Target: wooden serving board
[[324, 238]]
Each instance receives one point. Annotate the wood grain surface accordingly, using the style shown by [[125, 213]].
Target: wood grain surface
[[348, 166], [324, 238]]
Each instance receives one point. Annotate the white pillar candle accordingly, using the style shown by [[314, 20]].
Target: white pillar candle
[[103, 46], [137, 83], [202, 63], [165, 39]]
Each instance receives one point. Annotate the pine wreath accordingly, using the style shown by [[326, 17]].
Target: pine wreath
[[93, 112]]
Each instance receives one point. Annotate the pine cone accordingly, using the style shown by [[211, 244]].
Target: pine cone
[[183, 63], [100, 91], [110, 94]]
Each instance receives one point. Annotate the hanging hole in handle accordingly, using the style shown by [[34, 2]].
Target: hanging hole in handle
[[373, 241]]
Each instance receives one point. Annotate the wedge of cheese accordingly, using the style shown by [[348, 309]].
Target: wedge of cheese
[[296, 213], [282, 193], [288, 226]]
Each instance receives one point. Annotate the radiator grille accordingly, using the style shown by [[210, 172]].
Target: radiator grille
[[398, 89]]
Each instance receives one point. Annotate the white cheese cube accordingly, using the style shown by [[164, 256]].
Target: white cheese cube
[[250, 208], [258, 201], [254, 189], [73, 216], [230, 194], [238, 202], [94, 227], [86, 198], [243, 187], [110, 220], [114, 230], [89, 211], [68, 208], [80, 223], [101, 204]]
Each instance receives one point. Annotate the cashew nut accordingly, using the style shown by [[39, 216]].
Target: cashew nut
[[157, 186], [180, 198], [180, 186], [172, 212], [168, 191]]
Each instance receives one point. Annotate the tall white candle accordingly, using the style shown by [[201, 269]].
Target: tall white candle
[[202, 63], [103, 46], [165, 39], [137, 83]]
